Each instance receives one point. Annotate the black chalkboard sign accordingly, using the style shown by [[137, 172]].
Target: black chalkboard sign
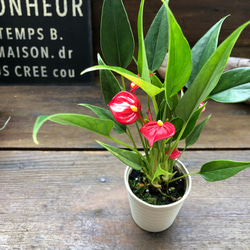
[[45, 41]]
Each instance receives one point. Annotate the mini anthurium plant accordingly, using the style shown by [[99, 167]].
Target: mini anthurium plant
[[174, 104]]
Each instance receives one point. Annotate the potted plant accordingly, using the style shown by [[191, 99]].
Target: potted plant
[[155, 177]]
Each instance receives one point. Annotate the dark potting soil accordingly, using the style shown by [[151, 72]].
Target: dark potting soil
[[139, 186]]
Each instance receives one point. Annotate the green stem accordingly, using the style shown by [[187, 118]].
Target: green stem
[[122, 143], [178, 139], [183, 176], [141, 138], [131, 137], [155, 105], [164, 194], [123, 83]]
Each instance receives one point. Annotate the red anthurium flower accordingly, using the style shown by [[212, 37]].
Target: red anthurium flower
[[175, 154], [125, 107], [133, 86], [202, 104], [157, 130]]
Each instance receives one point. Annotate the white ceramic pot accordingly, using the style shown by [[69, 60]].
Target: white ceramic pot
[[155, 218]]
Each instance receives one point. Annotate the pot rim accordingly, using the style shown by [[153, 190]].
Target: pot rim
[[188, 187]]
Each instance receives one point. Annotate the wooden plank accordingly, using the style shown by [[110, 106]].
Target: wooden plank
[[55, 200], [229, 126]]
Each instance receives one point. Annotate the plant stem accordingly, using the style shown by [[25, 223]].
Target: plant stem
[[155, 105], [143, 144], [131, 137], [183, 176], [123, 83], [178, 139]]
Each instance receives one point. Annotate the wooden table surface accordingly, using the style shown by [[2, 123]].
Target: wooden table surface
[[52, 195]]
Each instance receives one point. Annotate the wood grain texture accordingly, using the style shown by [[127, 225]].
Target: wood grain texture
[[52, 196], [55, 200], [229, 126]]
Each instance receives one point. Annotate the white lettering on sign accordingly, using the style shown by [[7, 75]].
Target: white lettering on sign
[[42, 8], [62, 53], [4, 70], [21, 33], [17, 6], [45, 8], [30, 6], [24, 52], [53, 34], [64, 73], [30, 71], [64, 8]]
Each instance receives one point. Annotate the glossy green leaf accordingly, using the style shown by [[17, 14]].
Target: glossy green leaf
[[106, 114], [178, 123], [116, 36], [207, 78], [233, 86], [221, 169], [192, 123], [149, 88], [142, 64], [109, 84], [96, 125], [237, 94], [179, 59], [203, 49], [160, 98], [129, 158], [156, 40], [194, 136], [156, 81]]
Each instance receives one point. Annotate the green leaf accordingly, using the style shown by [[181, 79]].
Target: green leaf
[[129, 158], [233, 86], [179, 59], [106, 114], [194, 136], [156, 81], [142, 65], [237, 94], [156, 40], [96, 125], [178, 123], [192, 123], [203, 49], [149, 88], [160, 98], [116, 36], [109, 84], [222, 169], [207, 78]]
